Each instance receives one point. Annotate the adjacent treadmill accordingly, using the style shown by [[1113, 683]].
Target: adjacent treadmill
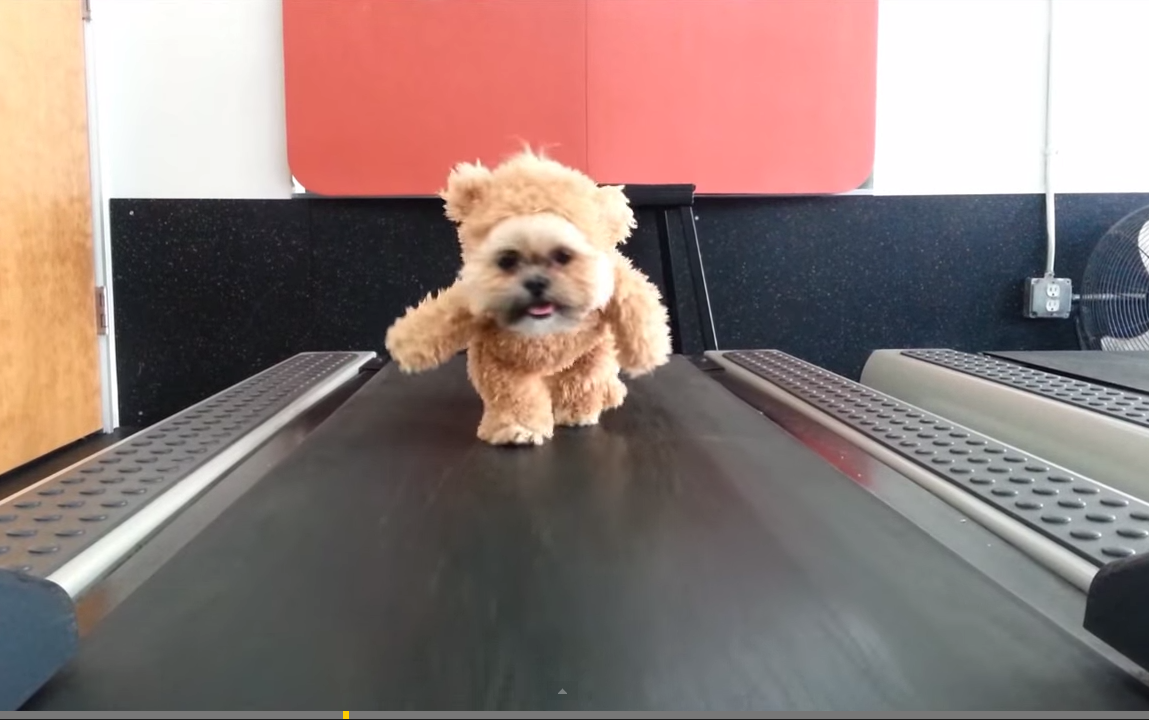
[[749, 532], [1086, 410]]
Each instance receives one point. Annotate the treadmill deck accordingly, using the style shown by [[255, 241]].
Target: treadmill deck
[[687, 554]]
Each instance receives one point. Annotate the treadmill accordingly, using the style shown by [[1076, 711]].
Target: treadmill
[[744, 534], [748, 532]]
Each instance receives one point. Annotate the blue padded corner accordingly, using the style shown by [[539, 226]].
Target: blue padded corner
[[38, 635]]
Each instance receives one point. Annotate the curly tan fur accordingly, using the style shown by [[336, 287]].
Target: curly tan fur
[[538, 358]]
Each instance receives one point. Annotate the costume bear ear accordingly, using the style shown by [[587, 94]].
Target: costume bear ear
[[616, 214], [466, 187]]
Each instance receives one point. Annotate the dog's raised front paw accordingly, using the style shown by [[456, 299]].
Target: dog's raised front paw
[[414, 362], [409, 354]]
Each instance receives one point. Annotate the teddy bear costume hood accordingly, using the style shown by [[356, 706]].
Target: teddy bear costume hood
[[477, 198]]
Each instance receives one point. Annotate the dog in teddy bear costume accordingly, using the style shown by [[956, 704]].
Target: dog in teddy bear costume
[[547, 308]]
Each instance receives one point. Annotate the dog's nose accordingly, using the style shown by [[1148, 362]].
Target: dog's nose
[[536, 285]]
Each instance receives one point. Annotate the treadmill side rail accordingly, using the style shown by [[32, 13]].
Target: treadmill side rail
[[38, 635], [1093, 521], [76, 525]]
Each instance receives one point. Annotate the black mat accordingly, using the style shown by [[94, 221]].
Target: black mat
[[1123, 369], [687, 554]]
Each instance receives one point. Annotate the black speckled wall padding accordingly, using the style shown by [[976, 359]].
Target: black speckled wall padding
[[208, 292]]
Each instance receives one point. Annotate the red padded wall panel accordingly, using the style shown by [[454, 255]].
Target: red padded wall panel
[[736, 96], [384, 96]]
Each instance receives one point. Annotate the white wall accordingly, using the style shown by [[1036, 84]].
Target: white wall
[[1101, 100], [191, 97], [961, 96]]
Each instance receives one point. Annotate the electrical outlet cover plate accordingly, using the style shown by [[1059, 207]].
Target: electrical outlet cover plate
[[1048, 297]]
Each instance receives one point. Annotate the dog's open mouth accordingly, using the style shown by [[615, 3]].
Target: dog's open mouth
[[541, 310]]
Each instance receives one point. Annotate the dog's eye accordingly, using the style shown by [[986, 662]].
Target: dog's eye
[[562, 257], [508, 260]]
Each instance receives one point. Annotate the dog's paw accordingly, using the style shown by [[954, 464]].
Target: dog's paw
[[412, 363], [645, 366], [409, 354], [644, 358], [615, 394], [511, 434], [570, 419]]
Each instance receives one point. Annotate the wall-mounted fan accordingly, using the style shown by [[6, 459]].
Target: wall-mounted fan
[[1113, 308]]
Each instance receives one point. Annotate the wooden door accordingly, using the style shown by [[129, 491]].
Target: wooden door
[[49, 366]]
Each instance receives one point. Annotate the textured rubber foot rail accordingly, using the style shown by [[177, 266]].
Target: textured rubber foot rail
[[45, 527], [1092, 520], [1116, 403]]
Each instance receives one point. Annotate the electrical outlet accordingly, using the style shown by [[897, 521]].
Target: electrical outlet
[[1048, 297]]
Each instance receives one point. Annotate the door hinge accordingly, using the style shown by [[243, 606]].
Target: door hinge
[[101, 311], [86, 10]]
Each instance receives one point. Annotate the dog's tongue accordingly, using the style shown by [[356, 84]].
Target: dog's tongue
[[542, 310]]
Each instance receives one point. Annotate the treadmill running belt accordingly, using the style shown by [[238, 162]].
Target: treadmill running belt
[[1128, 370], [687, 554]]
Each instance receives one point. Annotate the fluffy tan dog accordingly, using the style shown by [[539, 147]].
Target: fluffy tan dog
[[546, 306]]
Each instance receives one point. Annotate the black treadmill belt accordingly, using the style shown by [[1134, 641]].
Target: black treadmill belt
[[1123, 369], [687, 554]]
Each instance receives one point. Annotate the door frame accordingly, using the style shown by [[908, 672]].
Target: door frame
[[101, 240]]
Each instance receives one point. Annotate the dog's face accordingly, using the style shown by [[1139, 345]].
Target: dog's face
[[537, 275]]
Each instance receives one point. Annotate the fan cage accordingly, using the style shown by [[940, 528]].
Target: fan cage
[[1113, 305]]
